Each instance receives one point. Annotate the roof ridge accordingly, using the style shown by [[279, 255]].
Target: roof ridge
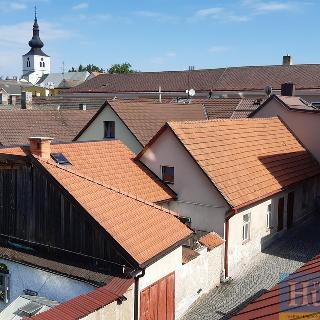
[[124, 193], [222, 120]]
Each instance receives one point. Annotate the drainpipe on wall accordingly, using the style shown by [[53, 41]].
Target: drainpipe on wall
[[136, 294], [230, 214]]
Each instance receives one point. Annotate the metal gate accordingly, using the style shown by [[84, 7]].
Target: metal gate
[[157, 301]]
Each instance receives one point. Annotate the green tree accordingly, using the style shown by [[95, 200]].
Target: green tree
[[89, 68], [121, 68]]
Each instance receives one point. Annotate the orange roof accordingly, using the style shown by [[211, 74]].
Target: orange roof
[[110, 162], [211, 240], [143, 229], [246, 159]]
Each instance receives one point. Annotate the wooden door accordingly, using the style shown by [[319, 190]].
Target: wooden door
[[157, 301], [290, 206], [280, 213]]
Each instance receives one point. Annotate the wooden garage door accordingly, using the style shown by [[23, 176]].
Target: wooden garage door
[[157, 301]]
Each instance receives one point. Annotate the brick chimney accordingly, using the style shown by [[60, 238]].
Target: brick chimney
[[40, 146], [287, 60], [288, 89]]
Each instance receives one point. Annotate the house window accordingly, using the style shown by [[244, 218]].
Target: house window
[[246, 227], [167, 174], [4, 283], [109, 129], [269, 214]]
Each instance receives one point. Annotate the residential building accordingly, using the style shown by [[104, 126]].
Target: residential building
[[301, 116], [61, 200], [248, 180], [248, 81]]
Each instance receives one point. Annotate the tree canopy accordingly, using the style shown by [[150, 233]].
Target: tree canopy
[[89, 68], [125, 67]]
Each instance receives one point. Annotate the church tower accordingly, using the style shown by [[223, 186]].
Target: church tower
[[35, 63]]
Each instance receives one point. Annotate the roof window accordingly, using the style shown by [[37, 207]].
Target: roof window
[[60, 158]]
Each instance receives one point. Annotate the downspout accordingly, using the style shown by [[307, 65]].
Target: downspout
[[136, 293], [230, 214]]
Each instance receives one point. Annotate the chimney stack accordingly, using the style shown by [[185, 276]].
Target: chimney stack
[[82, 106], [288, 89], [26, 100], [287, 60], [41, 147]]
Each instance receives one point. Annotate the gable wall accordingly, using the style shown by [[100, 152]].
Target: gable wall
[[96, 130], [197, 198]]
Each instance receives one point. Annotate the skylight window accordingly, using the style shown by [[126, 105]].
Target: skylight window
[[60, 158]]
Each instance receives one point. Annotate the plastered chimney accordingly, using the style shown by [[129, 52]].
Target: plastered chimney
[[41, 147]]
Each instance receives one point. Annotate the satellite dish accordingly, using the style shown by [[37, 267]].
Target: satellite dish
[[268, 90], [192, 92]]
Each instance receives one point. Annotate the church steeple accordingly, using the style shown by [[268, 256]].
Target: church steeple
[[35, 42]]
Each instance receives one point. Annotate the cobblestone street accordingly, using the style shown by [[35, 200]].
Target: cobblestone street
[[286, 255]]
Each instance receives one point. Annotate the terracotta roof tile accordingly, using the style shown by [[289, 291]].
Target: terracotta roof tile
[[143, 229], [211, 240], [145, 119], [110, 162], [304, 76], [17, 125], [188, 255], [275, 303], [86, 304], [246, 159]]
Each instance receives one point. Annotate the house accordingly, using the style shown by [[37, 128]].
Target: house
[[136, 122], [248, 81], [17, 125], [296, 296], [301, 116], [248, 180], [88, 206]]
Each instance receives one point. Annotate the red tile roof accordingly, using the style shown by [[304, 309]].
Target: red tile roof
[[110, 162], [246, 159], [17, 125], [269, 306], [304, 76], [84, 305], [211, 240]]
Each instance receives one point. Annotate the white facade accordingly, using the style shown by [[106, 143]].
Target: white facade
[[46, 284], [305, 125]]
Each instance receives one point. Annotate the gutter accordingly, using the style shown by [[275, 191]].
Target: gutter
[[140, 274], [230, 214]]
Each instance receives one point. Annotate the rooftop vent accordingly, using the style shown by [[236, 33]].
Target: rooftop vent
[[287, 60], [60, 158]]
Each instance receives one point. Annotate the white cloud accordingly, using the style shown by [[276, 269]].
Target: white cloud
[[81, 6], [218, 49], [209, 12], [263, 7], [9, 6]]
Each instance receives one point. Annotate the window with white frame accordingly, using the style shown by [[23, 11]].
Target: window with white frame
[[246, 227], [269, 215], [4, 283]]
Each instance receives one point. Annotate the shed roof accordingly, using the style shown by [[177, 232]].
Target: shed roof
[[246, 159]]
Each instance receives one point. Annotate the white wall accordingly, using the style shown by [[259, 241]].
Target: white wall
[[48, 285], [305, 125], [200, 274], [190, 183], [35, 64], [240, 254], [96, 130]]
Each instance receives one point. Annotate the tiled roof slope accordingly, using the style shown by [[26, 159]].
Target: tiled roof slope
[[246, 159], [110, 162], [17, 125], [86, 304], [304, 76], [145, 119], [143, 229], [211, 240], [274, 304]]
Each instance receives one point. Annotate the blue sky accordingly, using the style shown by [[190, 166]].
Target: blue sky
[[161, 34]]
